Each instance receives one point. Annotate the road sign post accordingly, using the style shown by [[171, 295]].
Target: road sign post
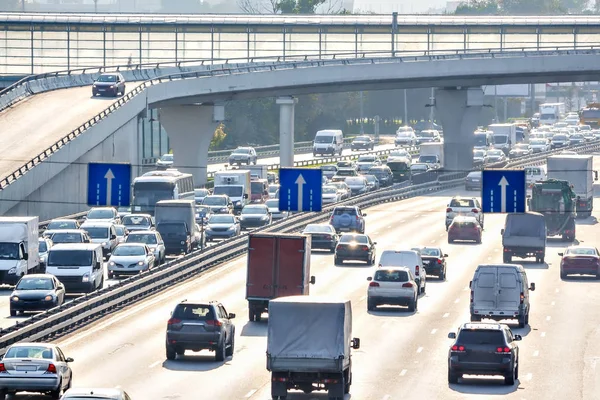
[[503, 191], [300, 189], [109, 184]]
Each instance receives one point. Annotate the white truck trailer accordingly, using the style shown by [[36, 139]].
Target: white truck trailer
[[235, 183], [504, 136], [18, 248], [578, 171]]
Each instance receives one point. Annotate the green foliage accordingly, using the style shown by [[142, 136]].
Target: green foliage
[[521, 7], [298, 6], [478, 7]]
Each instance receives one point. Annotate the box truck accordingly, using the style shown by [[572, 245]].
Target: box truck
[[18, 248], [577, 170], [236, 185], [504, 136], [176, 222]]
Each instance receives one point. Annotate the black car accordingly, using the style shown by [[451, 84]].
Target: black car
[[323, 236], [346, 164], [484, 349], [200, 326], [434, 261], [355, 246], [109, 84], [383, 174], [362, 143], [255, 216], [473, 181], [36, 292], [329, 171]]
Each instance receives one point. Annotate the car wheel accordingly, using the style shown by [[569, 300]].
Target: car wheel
[[13, 313], [171, 354], [452, 377], [338, 261], [443, 275], [507, 258], [231, 348], [475, 318], [509, 379], [412, 307], [371, 306], [221, 352], [563, 275], [57, 394]]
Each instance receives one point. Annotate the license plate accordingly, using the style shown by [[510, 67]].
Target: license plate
[[475, 180], [26, 368]]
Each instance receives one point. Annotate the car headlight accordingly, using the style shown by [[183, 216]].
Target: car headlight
[[112, 263], [264, 217], [231, 228], [141, 263], [224, 209], [48, 298], [15, 298], [182, 242], [238, 203], [104, 244], [13, 270], [85, 278]]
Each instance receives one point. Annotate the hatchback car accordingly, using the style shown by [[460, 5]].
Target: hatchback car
[[330, 195], [200, 326], [111, 84], [222, 226], [219, 204], [372, 182], [473, 181], [355, 246], [137, 222], [36, 292], [392, 286], [464, 228], [323, 236], [434, 261], [130, 259], [383, 174], [243, 155], [484, 349], [580, 260], [255, 216], [357, 184], [153, 240], [35, 367], [362, 142], [165, 161]]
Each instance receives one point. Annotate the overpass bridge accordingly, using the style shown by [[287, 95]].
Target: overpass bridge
[[53, 134]]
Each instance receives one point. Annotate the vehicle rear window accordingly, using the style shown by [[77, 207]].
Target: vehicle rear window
[[342, 211], [29, 352], [193, 311], [462, 203], [391, 276], [508, 281], [462, 224], [480, 336], [354, 238], [486, 280]]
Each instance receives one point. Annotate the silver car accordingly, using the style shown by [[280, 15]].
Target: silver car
[[44, 245], [137, 222], [35, 367], [121, 233], [130, 259], [222, 226], [153, 240], [95, 394], [273, 206]]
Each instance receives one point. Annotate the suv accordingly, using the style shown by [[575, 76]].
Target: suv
[[484, 349], [200, 326], [464, 206], [348, 219], [362, 142], [243, 155]]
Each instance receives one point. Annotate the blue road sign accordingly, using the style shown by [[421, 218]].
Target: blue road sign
[[300, 189], [109, 184], [503, 191]]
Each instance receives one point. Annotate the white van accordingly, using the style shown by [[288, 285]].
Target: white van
[[329, 141], [499, 292], [406, 258], [535, 174], [78, 266]]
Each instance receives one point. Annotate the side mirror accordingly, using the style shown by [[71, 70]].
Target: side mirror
[[561, 254], [452, 335], [374, 242], [595, 175], [313, 280], [364, 214], [231, 316], [112, 237], [356, 343], [532, 287], [470, 284], [245, 195], [98, 265], [502, 231], [25, 256], [69, 360], [370, 278], [445, 255], [517, 337]]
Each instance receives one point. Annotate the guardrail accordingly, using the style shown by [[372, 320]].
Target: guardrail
[[88, 307]]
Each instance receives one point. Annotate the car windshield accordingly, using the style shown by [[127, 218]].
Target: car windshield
[[329, 168], [428, 159], [43, 247], [254, 210], [370, 178], [480, 337], [577, 136], [231, 191], [355, 181], [221, 219], [418, 167], [361, 139], [29, 352], [479, 153], [404, 134], [101, 214], [167, 157], [346, 172], [146, 238], [391, 276], [214, 201], [474, 174], [464, 224], [56, 225], [344, 164], [398, 153], [429, 251], [241, 151], [97, 233], [315, 228], [354, 238], [583, 251], [538, 141], [367, 159], [70, 258], [129, 251], [67, 238], [273, 203], [521, 146], [324, 139], [35, 284], [559, 137], [405, 129], [120, 230], [329, 190], [9, 251], [494, 153], [107, 78], [200, 192], [136, 220], [426, 134]]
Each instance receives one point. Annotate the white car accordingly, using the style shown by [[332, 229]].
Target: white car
[[400, 154], [406, 258], [273, 206], [392, 286], [465, 206], [130, 258], [539, 145], [330, 194]]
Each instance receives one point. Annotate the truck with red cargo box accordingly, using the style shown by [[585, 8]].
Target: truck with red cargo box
[[278, 266]]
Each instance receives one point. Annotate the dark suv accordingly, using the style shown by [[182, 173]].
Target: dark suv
[[484, 349], [348, 219], [200, 326]]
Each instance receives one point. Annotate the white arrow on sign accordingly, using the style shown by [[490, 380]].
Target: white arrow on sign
[[300, 182], [503, 184], [109, 177]]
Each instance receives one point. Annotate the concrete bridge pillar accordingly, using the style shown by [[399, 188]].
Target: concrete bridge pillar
[[287, 105], [190, 129], [458, 110]]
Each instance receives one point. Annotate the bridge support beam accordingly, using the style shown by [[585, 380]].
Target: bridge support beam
[[190, 129], [459, 110], [287, 106]]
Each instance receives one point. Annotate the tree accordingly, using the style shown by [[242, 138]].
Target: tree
[[478, 7], [218, 137], [521, 7], [258, 6], [289, 6]]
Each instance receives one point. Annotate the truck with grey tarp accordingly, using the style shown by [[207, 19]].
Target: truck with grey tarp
[[578, 171], [309, 344], [524, 235]]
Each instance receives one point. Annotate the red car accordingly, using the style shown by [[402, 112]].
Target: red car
[[464, 228], [580, 260]]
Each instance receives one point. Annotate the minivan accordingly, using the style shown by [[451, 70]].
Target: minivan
[[77, 265], [103, 233], [329, 141], [406, 258], [500, 292]]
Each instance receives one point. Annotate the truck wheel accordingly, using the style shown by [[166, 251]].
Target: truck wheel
[[475, 318], [563, 275], [521, 321], [251, 315], [171, 354], [258, 316], [507, 258]]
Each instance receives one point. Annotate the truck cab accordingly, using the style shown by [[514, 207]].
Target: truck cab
[[259, 191], [19, 248], [236, 185], [78, 266]]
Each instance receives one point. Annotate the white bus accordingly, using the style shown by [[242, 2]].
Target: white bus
[[155, 186]]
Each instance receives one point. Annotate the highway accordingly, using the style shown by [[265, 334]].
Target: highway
[[407, 352]]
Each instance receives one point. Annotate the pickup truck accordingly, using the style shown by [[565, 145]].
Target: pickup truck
[[466, 206]]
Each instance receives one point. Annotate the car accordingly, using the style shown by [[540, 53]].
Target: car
[[357, 184], [362, 142], [494, 156], [428, 136], [44, 245], [419, 168], [273, 206], [272, 178], [393, 286], [104, 214], [95, 394], [329, 171], [165, 161], [431, 160], [465, 206], [344, 173], [384, 175], [130, 259], [219, 203], [330, 195], [405, 136], [222, 226], [273, 189], [464, 228], [520, 150], [70, 236], [355, 246], [406, 258], [399, 154], [364, 163], [255, 216], [434, 261], [322, 236], [153, 240], [122, 233], [559, 140], [137, 222], [36, 292], [483, 349], [372, 182], [200, 194], [540, 145], [342, 188], [348, 219], [346, 164], [473, 181], [109, 84], [59, 224], [200, 326], [576, 138], [243, 155], [35, 367], [123, 211], [102, 232], [580, 260], [478, 157]]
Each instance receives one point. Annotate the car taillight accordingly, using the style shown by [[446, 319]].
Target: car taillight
[[471, 296], [417, 270], [522, 297], [439, 261], [331, 220], [502, 350], [173, 321], [407, 284], [338, 247], [357, 218], [379, 266], [475, 211], [51, 369], [374, 284], [214, 323], [448, 209], [2, 367], [458, 349], [365, 248]]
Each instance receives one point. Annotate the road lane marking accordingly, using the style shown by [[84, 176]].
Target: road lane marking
[[548, 318], [250, 393], [543, 334], [457, 300], [528, 376], [362, 298], [553, 303], [420, 349], [557, 290], [433, 331], [536, 353], [386, 397], [154, 364], [446, 315], [403, 372]]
